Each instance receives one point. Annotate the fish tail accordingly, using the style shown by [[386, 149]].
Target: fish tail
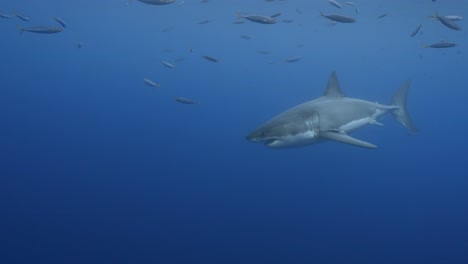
[[321, 14], [238, 15], [21, 30], [400, 113]]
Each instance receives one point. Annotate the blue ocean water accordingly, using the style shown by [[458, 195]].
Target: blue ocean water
[[98, 167]]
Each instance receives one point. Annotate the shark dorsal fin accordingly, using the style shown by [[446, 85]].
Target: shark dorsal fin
[[333, 86]]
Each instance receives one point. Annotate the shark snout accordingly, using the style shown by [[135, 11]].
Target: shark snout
[[251, 137], [255, 136]]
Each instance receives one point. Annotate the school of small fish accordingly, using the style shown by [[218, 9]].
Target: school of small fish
[[58, 25]]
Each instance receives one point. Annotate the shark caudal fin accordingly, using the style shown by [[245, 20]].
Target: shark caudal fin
[[400, 113]]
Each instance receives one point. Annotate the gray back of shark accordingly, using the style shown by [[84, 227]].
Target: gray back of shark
[[330, 117]]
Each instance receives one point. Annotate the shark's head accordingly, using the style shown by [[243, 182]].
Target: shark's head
[[281, 133], [267, 134]]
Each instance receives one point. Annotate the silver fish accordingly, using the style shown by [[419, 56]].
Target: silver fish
[[293, 59], [453, 17], [60, 21], [335, 3], [40, 30], [258, 18], [382, 16], [151, 83], [356, 10], [339, 18], [184, 100], [449, 17], [209, 58], [415, 31], [447, 22], [441, 45], [6, 16], [168, 65], [157, 2], [276, 15], [22, 17]]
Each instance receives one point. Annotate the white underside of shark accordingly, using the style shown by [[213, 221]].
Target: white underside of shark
[[330, 117]]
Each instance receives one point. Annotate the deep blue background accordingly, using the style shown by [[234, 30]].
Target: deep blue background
[[97, 167]]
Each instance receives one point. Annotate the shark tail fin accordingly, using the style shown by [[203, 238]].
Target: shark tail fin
[[400, 113]]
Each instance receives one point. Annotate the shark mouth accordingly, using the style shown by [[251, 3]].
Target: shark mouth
[[270, 141]]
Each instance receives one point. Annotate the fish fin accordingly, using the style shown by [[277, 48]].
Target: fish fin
[[333, 86], [346, 139], [21, 30], [400, 113]]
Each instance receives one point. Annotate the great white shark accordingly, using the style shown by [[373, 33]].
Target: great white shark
[[330, 117]]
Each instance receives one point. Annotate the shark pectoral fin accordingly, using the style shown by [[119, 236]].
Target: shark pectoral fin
[[345, 138]]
